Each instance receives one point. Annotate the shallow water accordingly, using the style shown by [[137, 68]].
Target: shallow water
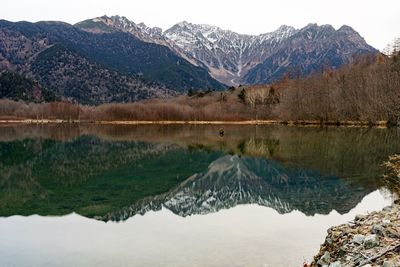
[[183, 195]]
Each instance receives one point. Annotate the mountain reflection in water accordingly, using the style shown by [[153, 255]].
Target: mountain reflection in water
[[234, 180], [114, 172]]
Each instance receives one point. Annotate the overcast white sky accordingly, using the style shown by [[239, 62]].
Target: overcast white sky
[[377, 21]]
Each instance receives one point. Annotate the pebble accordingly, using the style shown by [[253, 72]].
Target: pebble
[[359, 239], [325, 259], [371, 241], [378, 229]]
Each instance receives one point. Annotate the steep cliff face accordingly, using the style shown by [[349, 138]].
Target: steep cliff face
[[227, 55], [237, 58]]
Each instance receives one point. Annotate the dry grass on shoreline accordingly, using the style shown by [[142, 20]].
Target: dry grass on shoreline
[[196, 122]]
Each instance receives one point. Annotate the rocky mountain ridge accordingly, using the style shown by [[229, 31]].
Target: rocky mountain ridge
[[227, 55], [105, 24], [234, 58], [249, 59]]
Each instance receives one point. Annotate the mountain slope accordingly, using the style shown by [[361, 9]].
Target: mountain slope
[[228, 55], [155, 35], [32, 52], [118, 51], [310, 50], [16, 87], [237, 58], [73, 76]]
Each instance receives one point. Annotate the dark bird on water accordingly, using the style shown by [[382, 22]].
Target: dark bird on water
[[221, 132]]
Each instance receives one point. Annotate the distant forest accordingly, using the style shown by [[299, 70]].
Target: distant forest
[[367, 90]]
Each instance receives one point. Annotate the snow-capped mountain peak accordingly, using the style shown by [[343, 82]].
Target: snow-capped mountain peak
[[121, 23], [283, 32], [234, 58], [227, 55], [141, 31]]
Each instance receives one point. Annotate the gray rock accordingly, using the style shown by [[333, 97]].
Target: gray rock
[[371, 241], [378, 229], [385, 223], [335, 264], [389, 263], [325, 259], [358, 239]]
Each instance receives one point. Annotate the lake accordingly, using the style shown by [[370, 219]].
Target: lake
[[183, 195]]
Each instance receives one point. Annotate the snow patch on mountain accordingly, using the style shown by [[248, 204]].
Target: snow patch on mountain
[[234, 58], [227, 55]]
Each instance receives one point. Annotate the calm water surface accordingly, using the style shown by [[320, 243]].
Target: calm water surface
[[183, 195]]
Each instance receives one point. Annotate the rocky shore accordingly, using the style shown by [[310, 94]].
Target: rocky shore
[[369, 240]]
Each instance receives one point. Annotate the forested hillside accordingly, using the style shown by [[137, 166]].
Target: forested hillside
[[120, 67]]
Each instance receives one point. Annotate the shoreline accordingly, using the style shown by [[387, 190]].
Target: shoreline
[[381, 124], [368, 240]]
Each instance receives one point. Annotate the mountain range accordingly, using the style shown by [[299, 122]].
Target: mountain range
[[112, 59]]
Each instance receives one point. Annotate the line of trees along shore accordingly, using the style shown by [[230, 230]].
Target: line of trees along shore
[[366, 90]]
